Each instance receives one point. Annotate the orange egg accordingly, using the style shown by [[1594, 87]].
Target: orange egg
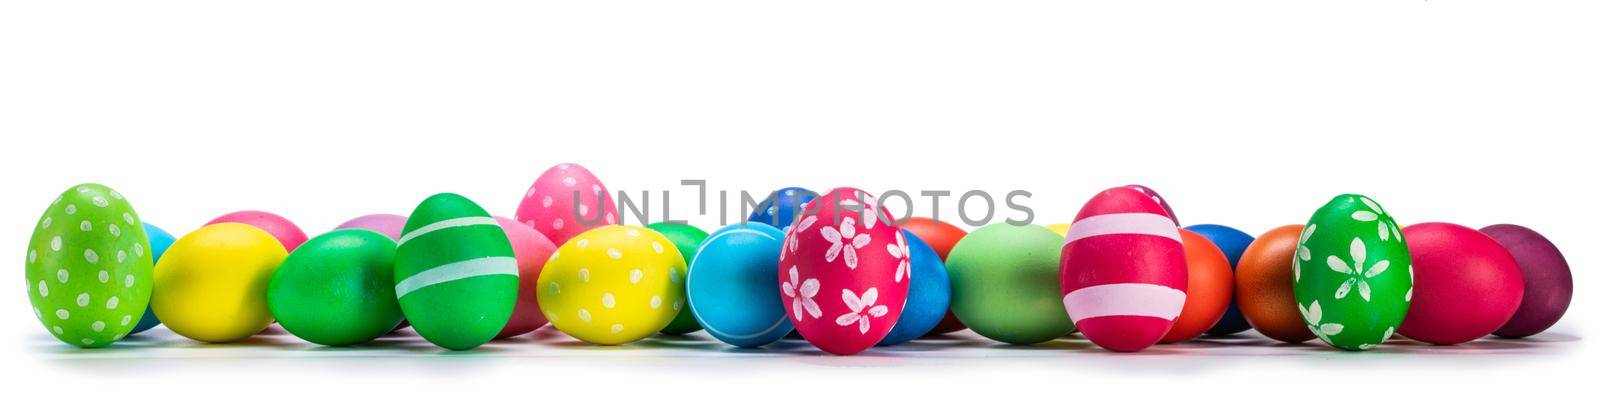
[[1210, 288], [940, 236], [1264, 285]]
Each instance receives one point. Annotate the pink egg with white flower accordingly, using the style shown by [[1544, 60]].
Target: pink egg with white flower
[[566, 201], [844, 272]]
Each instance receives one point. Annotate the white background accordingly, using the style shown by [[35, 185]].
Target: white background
[[1246, 113]]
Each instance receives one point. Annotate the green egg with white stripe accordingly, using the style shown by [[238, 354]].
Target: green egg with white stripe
[[455, 274]]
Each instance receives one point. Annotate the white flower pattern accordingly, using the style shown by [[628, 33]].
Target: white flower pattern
[[1386, 226], [898, 251], [1301, 251], [862, 309], [1357, 270], [791, 239], [869, 211], [1313, 316], [845, 240], [803, 294]]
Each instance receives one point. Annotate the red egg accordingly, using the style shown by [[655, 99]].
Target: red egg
[[843, 273], [532, 250], [941, 236], [1123, 271], [1210, 288], [566, 201], [281, 228], [1466, 284]]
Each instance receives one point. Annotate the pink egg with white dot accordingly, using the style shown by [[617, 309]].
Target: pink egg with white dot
[[566, 201]]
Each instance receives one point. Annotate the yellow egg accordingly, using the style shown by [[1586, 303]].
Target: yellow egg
[[211, 285], [613, 285], [1059, 228]]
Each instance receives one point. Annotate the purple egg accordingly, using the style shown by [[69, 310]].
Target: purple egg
[[1547, 281], [386, 224]]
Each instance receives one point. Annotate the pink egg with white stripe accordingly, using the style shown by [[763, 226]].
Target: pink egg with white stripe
[[566, 201], [844, 273], [1123, 273]]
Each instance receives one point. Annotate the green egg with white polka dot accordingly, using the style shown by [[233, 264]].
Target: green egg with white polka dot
[[687, 238], [455, 273], [89, 265], [1352, 274]]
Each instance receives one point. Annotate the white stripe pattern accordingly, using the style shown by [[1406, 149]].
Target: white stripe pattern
[[1124, 223], [1124, 299], [444, 224], [457, 271]]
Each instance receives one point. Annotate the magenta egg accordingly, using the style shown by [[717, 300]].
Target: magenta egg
[[281, 228], [1157, 196], [391, 225], [1465, 284], [844, 272], [1124, 277], [566, 201], [1546, 280]]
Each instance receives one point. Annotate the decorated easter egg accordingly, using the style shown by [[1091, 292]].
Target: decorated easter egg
[[1232, 242], [613, 285], [1210, 288], [1352, 274], [159, 241], [687, 238], [780, 208], [1005, 283], [455, 273], [730, 285], [532, 251], [88, 271], [846, 271], [1061, 229], [1123, 271], [1263, 285], [565, 201], [928, 301], [337, 289], [281, 228], [1546, 280], [1467, 285], [390, 225], [941, 236], [1157, 196], [211, 285]]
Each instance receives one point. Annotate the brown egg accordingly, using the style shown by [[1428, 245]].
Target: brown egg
[[1264, 286]]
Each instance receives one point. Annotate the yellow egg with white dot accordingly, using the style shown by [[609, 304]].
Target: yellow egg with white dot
[[613, 285]]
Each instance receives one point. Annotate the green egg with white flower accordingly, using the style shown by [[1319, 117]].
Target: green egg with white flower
[[89, 264], [1352, 274]]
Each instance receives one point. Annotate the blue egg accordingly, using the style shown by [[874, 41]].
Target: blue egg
[[733, 285], [1232, 242], [929, 297], [780, 208], [159, 241]]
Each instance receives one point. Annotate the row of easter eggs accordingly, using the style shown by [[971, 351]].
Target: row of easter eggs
[[835, 272]]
